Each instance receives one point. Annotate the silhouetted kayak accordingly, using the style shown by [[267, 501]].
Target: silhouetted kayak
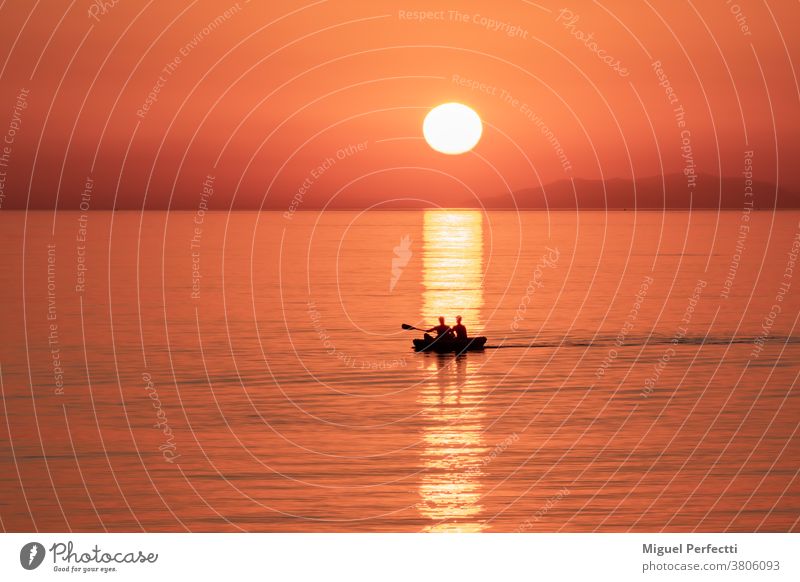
[[444, 346]]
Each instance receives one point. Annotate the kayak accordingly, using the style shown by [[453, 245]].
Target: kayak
[[445, 346]]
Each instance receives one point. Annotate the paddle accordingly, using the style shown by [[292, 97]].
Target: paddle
[[406, 326]]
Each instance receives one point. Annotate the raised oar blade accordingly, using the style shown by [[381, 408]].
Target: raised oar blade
[[406, 326]]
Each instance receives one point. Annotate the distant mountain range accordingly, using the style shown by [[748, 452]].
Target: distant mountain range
[[649, 193], [653, 192]]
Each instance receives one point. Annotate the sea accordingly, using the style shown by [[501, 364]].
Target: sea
[[247, 371]]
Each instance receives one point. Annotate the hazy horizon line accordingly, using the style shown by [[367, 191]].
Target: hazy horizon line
[[409, 209]]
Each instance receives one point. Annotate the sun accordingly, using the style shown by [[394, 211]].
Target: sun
[[452, 128]]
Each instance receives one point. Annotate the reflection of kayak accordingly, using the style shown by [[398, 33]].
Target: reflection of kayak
[[444, 346]]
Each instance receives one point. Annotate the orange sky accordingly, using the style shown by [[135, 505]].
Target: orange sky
[[274, 89]]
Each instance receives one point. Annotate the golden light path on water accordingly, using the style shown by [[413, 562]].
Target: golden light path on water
[[452, 265], [454, 445]]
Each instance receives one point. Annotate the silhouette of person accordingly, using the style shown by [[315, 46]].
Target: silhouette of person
[[442, 331], [459, 329]]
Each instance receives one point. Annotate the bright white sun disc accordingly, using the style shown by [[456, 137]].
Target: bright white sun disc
[[452, 128]]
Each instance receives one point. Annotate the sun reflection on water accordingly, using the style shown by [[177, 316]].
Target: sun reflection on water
[[451, 486], [452, 265]]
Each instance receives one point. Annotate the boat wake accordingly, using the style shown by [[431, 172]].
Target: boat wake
[[643, 341]]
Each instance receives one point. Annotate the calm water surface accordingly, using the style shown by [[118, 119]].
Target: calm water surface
[[248, 371]]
